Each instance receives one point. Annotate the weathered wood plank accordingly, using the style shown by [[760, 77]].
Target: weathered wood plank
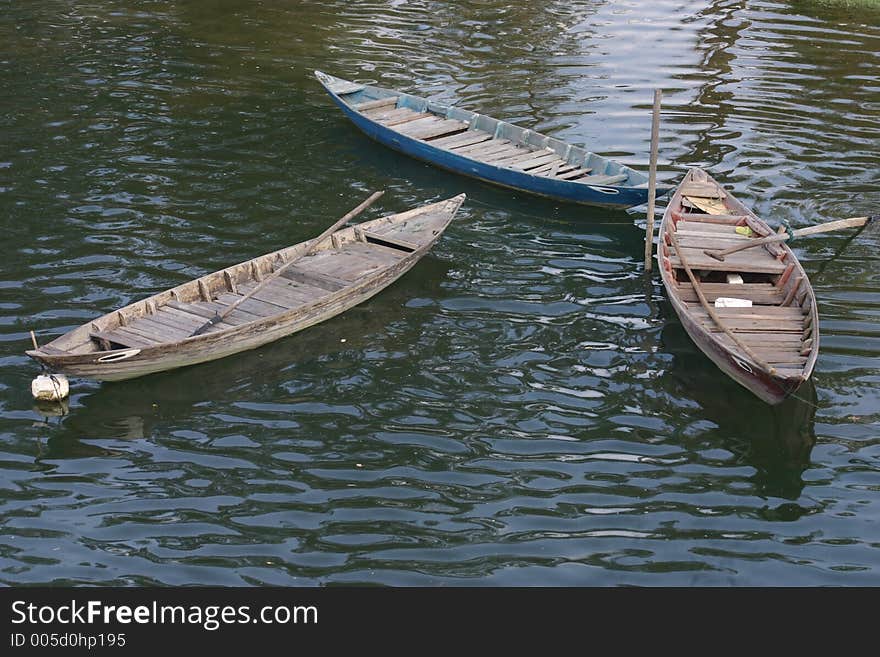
[[309, 277], [117, 337], [768, 294], [373, 104], [506, 158], [726, 228], [348, 267], [764, 313], [536, 161], [182, 321], [753, 263], [706, 190], [156, 331], [407, 124], [708, 242], [284, 292], [387, 114], [385, 257], [403, 244], [498, 156], [166, 321], [552, 168], [137, 337], [753, 326], [183, 315], [261, 308], [209, 310], [574, 174], [477, 151], [444, 127], [465, 139], [604, 179], [722, 219], [296, 294], [757, 338]]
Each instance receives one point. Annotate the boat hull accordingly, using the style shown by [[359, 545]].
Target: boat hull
[[608, 196], [163, 358], [368, 258], [782, 320]]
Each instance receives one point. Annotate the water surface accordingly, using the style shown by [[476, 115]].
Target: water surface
[[523, 408]]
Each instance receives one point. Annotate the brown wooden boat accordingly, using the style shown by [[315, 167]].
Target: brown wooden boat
[[764, 331], [251, 303]]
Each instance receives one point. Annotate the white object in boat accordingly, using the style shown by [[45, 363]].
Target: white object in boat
[[731, 302]]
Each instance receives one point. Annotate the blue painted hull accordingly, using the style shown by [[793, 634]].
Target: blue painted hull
[[611, 196]]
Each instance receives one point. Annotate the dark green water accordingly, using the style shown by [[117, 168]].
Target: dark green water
[[523, 408]]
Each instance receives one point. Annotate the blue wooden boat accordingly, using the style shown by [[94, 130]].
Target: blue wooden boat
[[488, 149]]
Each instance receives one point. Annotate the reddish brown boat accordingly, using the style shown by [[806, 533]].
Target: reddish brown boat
[[753, 313]]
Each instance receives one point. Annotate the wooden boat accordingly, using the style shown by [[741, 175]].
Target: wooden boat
[[318, 279], [770, 347], [488, 149]]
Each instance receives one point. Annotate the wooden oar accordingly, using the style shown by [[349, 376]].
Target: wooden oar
[[764, 365], [840, 224], [219, 317]]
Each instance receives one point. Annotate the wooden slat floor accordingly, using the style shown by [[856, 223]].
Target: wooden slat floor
[[458, 137], [300, 284]]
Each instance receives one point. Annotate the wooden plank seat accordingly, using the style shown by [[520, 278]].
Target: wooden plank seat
[[744, 261], [707, 242]]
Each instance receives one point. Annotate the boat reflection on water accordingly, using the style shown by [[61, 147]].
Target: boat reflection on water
[[776, 440], [133, 409]]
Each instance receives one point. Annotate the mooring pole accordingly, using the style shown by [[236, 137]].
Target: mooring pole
[[652, 180]]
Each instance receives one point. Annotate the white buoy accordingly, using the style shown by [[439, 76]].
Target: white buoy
[[50, 387]]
